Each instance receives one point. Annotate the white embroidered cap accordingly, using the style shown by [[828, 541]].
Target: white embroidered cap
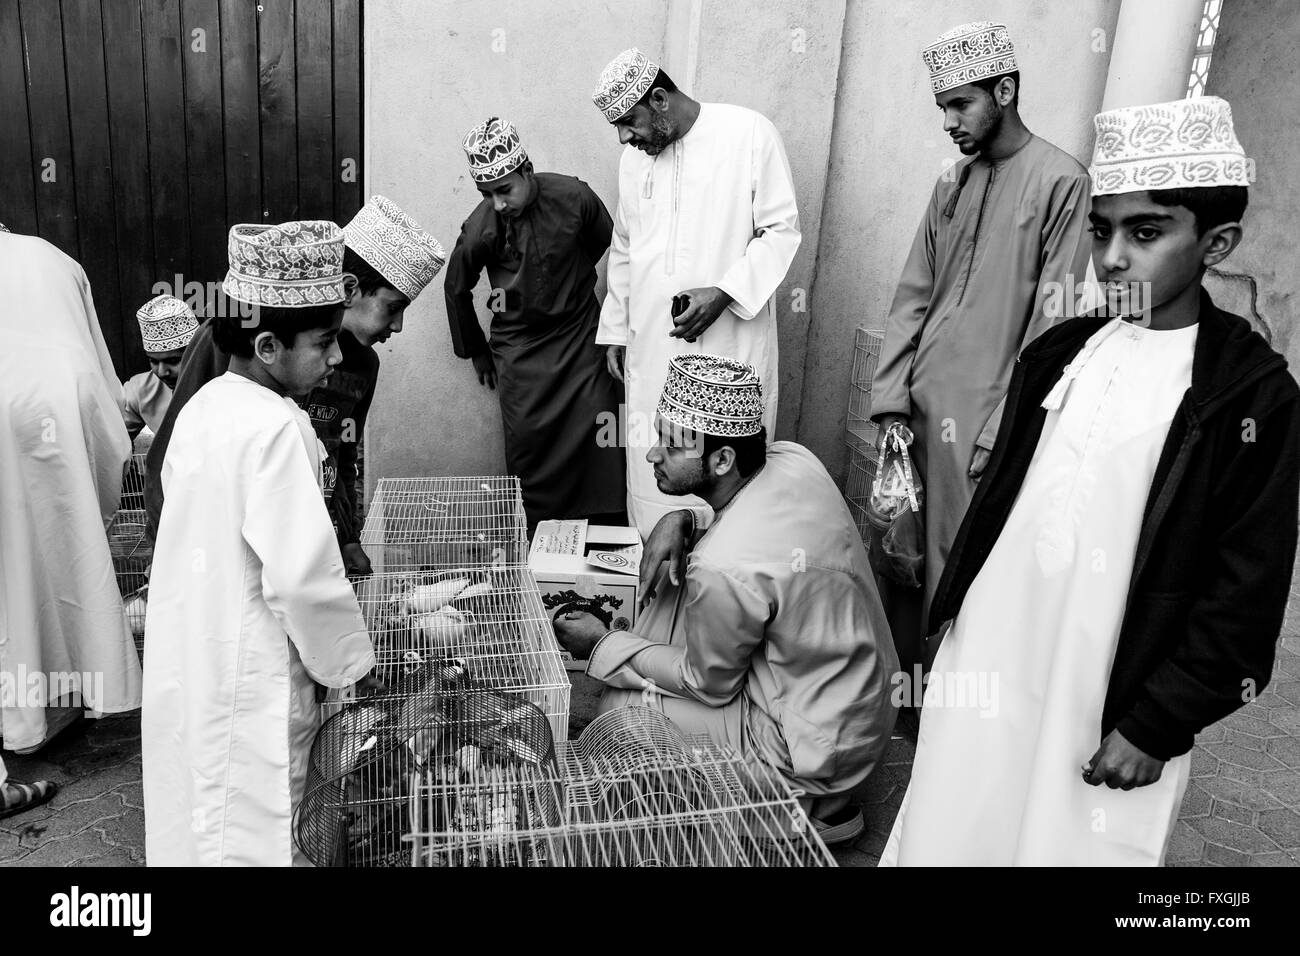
[[1186, 143], [292, 265], [395, 245], [712, 394], [493, 149], [166, 324], [623, 82], [970, 52]]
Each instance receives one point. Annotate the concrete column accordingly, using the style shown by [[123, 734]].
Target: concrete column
[[1152, 54]]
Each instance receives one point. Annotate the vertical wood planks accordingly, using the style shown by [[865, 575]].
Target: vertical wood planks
[[132, 234], [243, 134], [279, 110], [164, 82], [47, 99], [314, 56], [346, 171], [17, 179], [83, 42], [204, 144]]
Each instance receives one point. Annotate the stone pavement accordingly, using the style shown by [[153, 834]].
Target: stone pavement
[[1242, 805]]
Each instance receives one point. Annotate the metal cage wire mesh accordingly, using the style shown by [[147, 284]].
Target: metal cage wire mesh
[[631, 791], [860, 431], [431, 523], [491, 618], [131, 553]]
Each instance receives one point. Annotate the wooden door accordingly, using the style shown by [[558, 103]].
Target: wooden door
[[134, 133]]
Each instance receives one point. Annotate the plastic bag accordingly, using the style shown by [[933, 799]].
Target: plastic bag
[[894, 510]]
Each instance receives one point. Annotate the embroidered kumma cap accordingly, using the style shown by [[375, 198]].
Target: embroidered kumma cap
[[1186, 143], [623, 82], [166, 324], [713, 395], [970, 52], [493, 149], [395, 245], [292, 265]]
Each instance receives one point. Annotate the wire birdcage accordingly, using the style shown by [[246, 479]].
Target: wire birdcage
[[631, 791], [860, 431], [490, 617], [430, 523], [368, 760], [131, 552]]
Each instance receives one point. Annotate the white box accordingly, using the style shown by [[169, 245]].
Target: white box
[[575, 567]]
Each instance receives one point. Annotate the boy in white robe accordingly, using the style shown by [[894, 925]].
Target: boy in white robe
[[1120, 579], [249, 606]]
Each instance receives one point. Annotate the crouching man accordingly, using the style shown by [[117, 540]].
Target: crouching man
[[776, 643]]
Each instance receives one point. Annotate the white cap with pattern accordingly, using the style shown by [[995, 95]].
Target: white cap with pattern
[[166, 324], [970, 52], [493, 149], [1186, 143], [292, 265], [623, 82], [395, 245], [712, 394]]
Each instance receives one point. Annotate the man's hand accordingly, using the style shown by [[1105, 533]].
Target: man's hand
[[615, 355], [1120, 765], [979, 461], [355, 561], [884, 422], [579, 632], [486, 370], [702, 310], [669, 542], [368, 686]]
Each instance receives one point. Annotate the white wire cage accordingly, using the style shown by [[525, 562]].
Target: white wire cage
[[431, 523], [132, 554], [860, 432], [631, 791], [489, 617]]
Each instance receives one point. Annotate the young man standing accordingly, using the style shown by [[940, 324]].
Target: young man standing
[[705, 232], [1003, 233], [540, 236], [249, 604], [1125, 565], [166, 326], [391, 260]]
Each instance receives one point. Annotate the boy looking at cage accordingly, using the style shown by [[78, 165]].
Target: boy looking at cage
[[392, 259], [250, 606], [166, 326], [1125, 564]]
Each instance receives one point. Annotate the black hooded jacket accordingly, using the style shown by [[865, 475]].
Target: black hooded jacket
[[1218, 539]]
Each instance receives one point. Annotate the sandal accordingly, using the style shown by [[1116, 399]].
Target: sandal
[[16, 797], [849, 826]]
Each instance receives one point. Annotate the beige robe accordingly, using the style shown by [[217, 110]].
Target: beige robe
[[777, 642], [998, 248]]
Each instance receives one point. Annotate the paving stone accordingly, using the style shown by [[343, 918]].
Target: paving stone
[[1282, 826], [1246, 741], [1225, 856], [132, 793], [1203, 763], [1230, 754], [72, 818], [1287, 721], [1288, 664], [1285, 786], [1272, 859], [1247, 796], [1234, 836], [10, 849], [1254, 723], [1286, 749], [1196, 802], [1272, 700], [112, 856], [1230, 811], [66, 852], [1211, 734], [1288, 690], [1185, 844]]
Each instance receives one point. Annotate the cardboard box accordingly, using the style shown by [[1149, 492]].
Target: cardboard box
[[594, 568]]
